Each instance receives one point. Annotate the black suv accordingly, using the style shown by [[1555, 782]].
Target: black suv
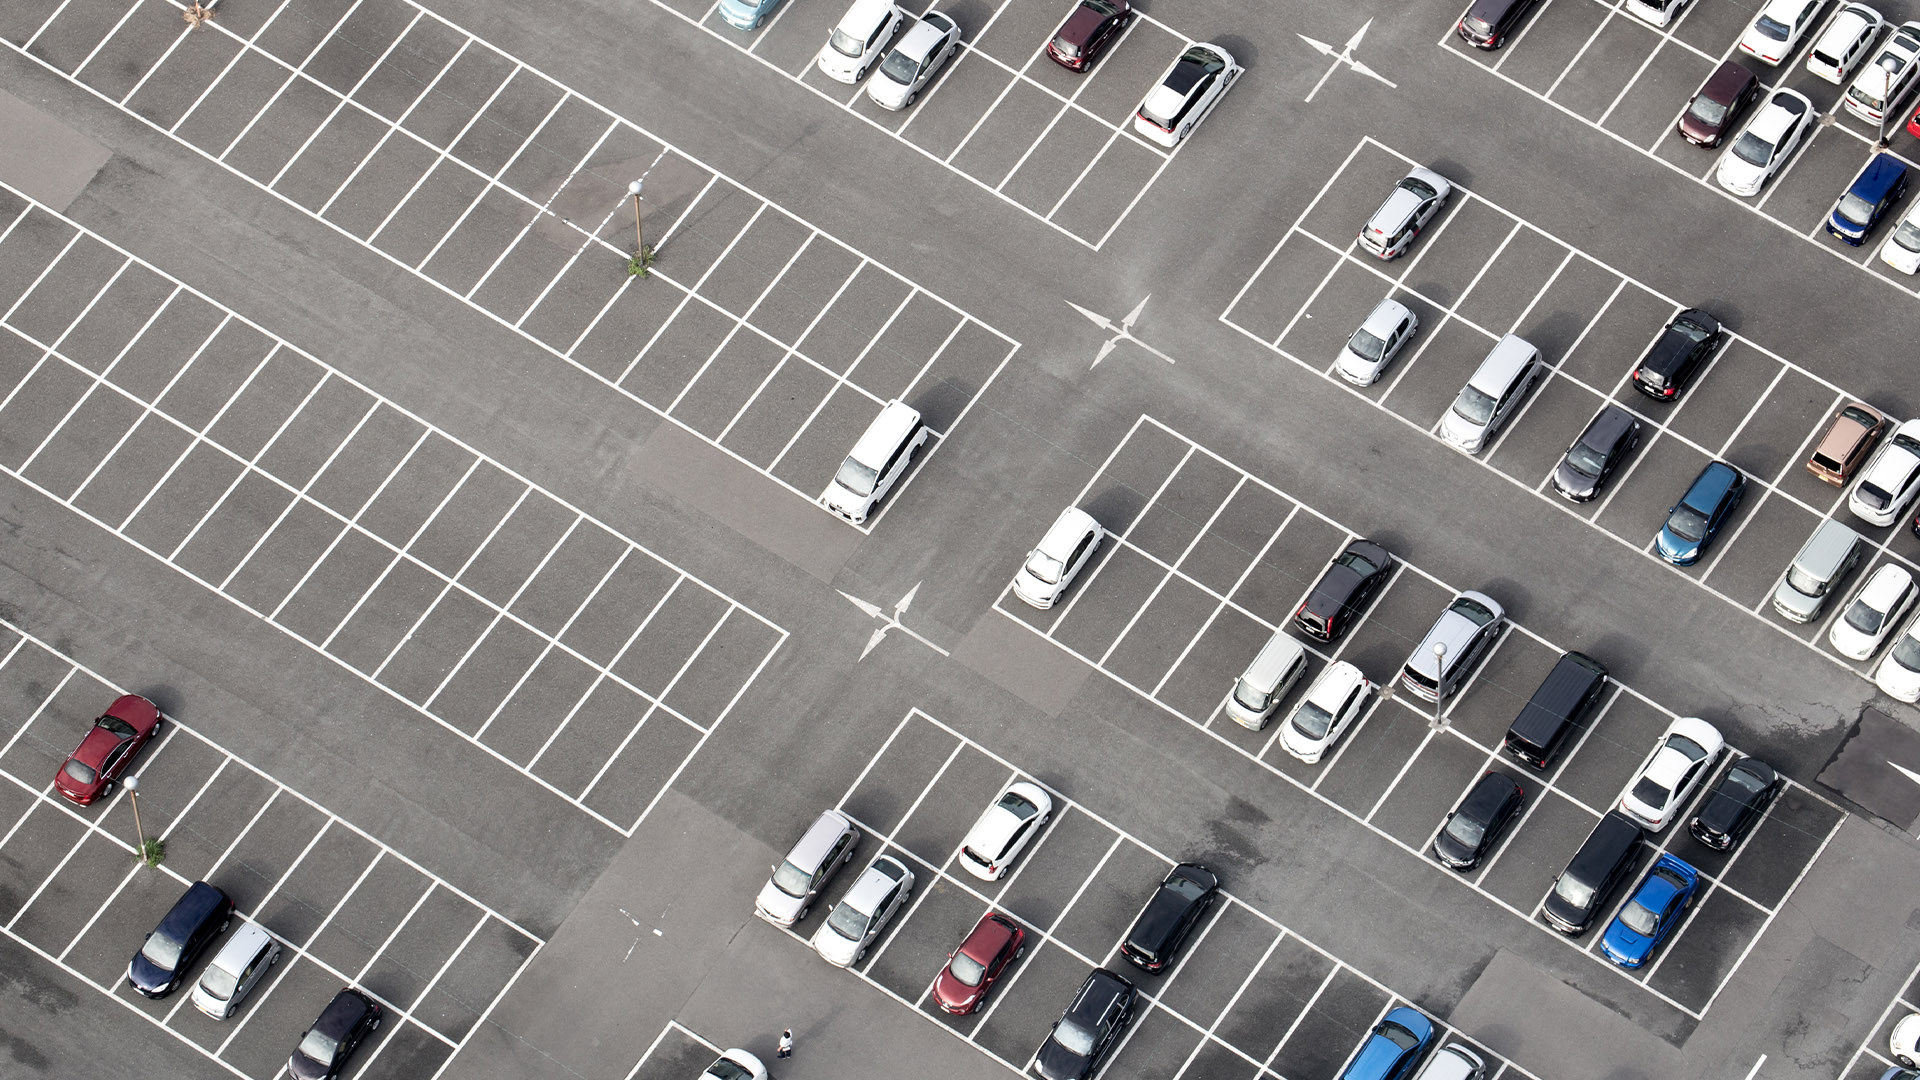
[[1610, 436], [1344, 590], [1487, 23], [1558, 708], [1735, 803], [1089, 1029], [1677, 355], [1170, 916], [200, 915], [1476, 824], [323, 1051], [1581, 891]]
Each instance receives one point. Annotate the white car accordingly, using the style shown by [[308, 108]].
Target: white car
[[1844, 43], [1332, 703], [1771, 136], [239, 966], [1058, 559], [1863, 627], [735, 1065], [1680, 761], [1898, 675], [1902, 247], [1888, 78], [1904, 1041], [1004, 830], [915, 59], [857, 41], [1372, 347], [1891, 479], [856, 921], [1185, 94], [1777, 30], [1407, 209], [1658, 12]]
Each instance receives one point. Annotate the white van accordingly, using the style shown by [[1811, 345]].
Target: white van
[[236, 969], [877, 462], [1844, 43], [1493, 395], [1261, 687]]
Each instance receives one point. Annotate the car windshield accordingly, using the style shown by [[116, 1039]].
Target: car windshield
[[1399, 1036], [1312, 720], [846, 44], [1908, 234], [1864, 617], [117, 726], [1752, 149], [1366, 345], [1651, 792], [1804, 582], [1045, 567], [1359, 564], [1474, 406], [848, 921], [318, 1046], [1691, 330], [80, 772], [1688, 749], [1185, 888], [219, 982], [1740, 782], [1018, 805], [1906, 652], [1771, 28], [1101, 6], [1707, 111], [1418, 187], [1687, 523], [1248, 696], [1076, 1037], [1586, 459], [856, 477], [792, 880], [1466, 830], [727, 1070], [900, 67], [966, 970], [1639, 918], [1855, 209], [1471, 610], [1574, 892], [162, 950]]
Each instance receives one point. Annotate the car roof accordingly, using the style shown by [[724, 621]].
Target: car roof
[[1824, 550], [1783, 10], [813, 844], [1846, 432], [926, 34], [1879, 177], [879, 876], [193, 908], [864, 15], [1850, 24], [1066, 531], [239, 949], [1885, 586], [995, 825], [986, 937], [1385, 316], [1398, 206], [888, 429], [1607, 427], [1502, 365], [1334, 684], [342, 1013], [1728, 79], [1713, 483], [1278, 655], [1781, 112], [1097, 995], [1488, 794]]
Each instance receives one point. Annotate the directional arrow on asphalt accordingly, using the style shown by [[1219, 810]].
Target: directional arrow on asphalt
[[1121, 332], [1344, 56], [891, 620]]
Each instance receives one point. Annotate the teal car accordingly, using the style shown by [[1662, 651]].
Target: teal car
[[747, 14]]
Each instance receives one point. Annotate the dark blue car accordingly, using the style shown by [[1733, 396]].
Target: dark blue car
[[1649, 917], [1696, 519], [1868, 198], [1393, 1048]]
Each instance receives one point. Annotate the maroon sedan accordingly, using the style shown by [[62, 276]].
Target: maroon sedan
[[1716, 107], [108, 750], [1093, 25], [972, 969]]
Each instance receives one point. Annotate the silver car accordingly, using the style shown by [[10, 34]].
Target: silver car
[[1464, 633], [915, 59], [1372, 347], [857, 920], [1412, 203], [236, 969]]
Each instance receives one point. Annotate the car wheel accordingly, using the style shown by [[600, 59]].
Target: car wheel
[[910, 98], [859, 956], [803, 914], [1019, 952], [1904, 1060], [224, 925], [376, 1025]]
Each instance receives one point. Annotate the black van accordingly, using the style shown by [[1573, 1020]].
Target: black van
[[1488, 23], [1596, 870], [200, 915], [1558, 707]]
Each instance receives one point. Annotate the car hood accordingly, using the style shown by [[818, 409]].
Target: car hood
[[1796, 601], [778, 904], [1574, 482], [1458, 429], [833, 947], [1451, 849], [1056, 1062], [147, 975], [953, 993], [1625, 944], [302, 1067], [1676, 547]]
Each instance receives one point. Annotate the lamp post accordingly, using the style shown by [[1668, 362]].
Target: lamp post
[[133, 796], [639, 243], [1439, 683]]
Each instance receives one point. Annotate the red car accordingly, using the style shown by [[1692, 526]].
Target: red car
[[1913, 125], [108, 750], [972, 969], [1090, 28]]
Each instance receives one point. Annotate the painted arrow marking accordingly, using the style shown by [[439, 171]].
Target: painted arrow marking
[[1344, 56], [1121, 332], [892, 621]]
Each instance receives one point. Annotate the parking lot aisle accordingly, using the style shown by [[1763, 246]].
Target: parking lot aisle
[[1744, 397], [289, 864], [1250, 973], [1870, 1059], [677, 1052], [494, 183], [1667, 67], [1409, 773], [454, 585]]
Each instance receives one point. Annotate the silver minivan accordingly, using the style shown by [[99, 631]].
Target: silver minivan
[[827, 846], [1824, 561], [1259, 690], [1493, 395], [237, 968], [877, 462], [1453, 1062]]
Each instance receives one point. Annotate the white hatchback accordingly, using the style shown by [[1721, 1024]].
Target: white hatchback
[[1777, 30], [1902, 247], [1863, 627], [1770, 138], [1658, 12], [1332, 703], [1184, 96], [1667, 779], [1891, 479], [857, 41], [1004, 830], [1844, 43], [735, 1065], [1372, 347], [918, 56], [1058, 559], [1898, 675]]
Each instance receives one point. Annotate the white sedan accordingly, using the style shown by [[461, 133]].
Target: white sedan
[[1769, 140], [1059, 558], [1898, 676], [1372, 347], [1776, 32], [1004, 830], [1666, 780], [1891, 480], [916, 58], [1885, 596], [1332, 703], [1186, 94], [735, 1065]]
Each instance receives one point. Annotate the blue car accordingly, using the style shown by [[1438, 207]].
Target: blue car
[[746, 14], [1656, 908], [1697, 518], [1868, 198], [1393, 1048]]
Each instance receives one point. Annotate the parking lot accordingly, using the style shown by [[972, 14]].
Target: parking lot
[[1870, 1061], [1248, 997], [1620, 76], [561, 648], [1481, 272], [1205, 561], [347, 908], [1001, 114], [506, 190]]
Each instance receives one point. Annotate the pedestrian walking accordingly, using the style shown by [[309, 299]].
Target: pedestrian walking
[[786, 1043]]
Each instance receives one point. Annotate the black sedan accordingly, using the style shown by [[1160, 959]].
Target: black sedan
[[1176, 908], [1678, 354], [1591, 460], [1736, 802], [323, 1051], [1475, 825], [1089, 1029], [1344, 590]]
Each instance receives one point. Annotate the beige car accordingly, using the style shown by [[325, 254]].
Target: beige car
[[1849, 441]]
